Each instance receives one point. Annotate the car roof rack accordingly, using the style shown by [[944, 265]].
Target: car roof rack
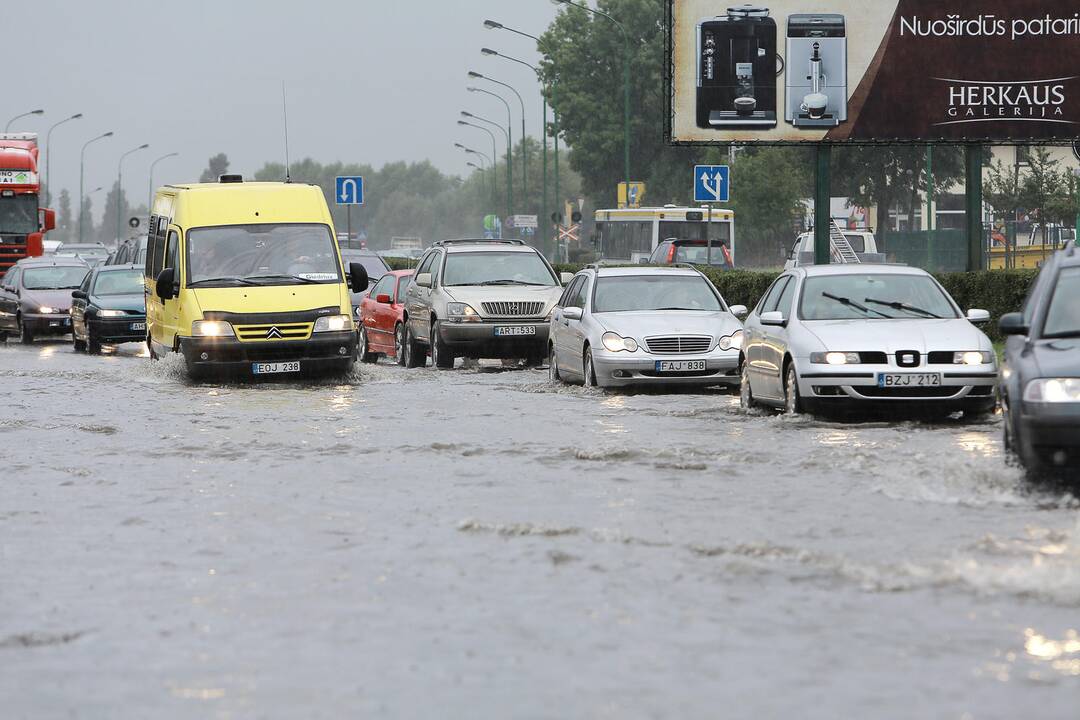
[[479, 241]]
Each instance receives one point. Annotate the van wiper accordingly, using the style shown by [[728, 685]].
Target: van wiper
[[848, 302], [305, 280], [221, 280], [904, 307]]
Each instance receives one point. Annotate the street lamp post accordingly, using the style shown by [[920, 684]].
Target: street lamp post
[[150, 201], [483, 165], [524, 134], [626, 78], [506, 131], [509, 134], [82, 176], [120, 188], [22, 115], [48, 154], [494, 158]]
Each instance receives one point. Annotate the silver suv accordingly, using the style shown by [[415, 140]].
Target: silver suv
[[480, 299]]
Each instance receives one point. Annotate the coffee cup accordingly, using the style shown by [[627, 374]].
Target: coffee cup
[[815, 105], [745, 105]]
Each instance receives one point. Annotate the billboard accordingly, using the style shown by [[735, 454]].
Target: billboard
[[868, 71]]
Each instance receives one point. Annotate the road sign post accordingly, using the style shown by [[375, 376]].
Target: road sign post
[[349, 191], [712, 184]]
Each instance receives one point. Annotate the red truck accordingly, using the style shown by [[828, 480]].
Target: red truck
[[23, 222]]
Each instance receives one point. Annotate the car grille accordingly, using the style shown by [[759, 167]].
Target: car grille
[[679, 345], [513, 309], [273, 333]]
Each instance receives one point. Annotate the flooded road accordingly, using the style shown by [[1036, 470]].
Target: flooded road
[[481, 543]]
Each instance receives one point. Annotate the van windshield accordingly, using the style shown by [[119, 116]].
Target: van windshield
[[268, 254]]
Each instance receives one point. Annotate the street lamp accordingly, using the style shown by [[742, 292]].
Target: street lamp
[[150, 202], [509, 150], [48, 153], [120, 187], [509, 132], [82, 176], [524, 135], [494, 157], [626, 78], [25, 114]]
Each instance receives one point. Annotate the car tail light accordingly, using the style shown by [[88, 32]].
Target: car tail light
[[671, 255]]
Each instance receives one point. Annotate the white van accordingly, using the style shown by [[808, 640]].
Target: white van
[[862, 242]]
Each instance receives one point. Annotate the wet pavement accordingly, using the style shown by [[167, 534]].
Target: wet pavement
[[480, 543]]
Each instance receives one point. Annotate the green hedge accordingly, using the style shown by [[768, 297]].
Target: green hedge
[[998, 291]]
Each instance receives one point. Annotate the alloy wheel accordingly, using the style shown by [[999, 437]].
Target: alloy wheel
[[590, 373], [553, 368], [791, 391], [399, 344], [746, 393]]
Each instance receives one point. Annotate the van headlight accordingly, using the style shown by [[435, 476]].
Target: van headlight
[[333, 323], [460, 312], [211, 329], [615, 342], [733, 341], [1053, 390]]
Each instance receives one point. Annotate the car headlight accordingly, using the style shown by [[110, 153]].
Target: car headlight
[[112, 313], [733, 341], [972, 358], [615, 342], [356, 310], [211, 329], [46, 310], [551, 314], [835, 358], [333, 323], [1053, 390], [460, 312]]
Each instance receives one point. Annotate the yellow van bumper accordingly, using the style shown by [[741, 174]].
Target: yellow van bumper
[[324, 352]]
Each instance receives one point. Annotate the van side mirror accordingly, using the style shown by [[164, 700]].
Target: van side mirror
[[1013, 324], [774, 319], [78, 294], [358, 277], [738, 311], [422, 280], [164, 285]]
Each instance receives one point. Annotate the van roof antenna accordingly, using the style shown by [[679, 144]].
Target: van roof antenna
[[285, 115]]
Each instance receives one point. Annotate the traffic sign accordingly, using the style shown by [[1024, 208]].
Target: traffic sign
[[631, 194], [712, 183], [569, 234], [349, 190], [524, 221]]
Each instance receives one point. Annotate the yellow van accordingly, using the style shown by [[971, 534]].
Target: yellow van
[[247, 277]]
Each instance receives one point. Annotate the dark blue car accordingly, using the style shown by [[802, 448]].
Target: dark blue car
[[1040, 384], [109, 308]]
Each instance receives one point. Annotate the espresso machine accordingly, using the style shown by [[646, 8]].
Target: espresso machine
[[817, 92], [737, 68]]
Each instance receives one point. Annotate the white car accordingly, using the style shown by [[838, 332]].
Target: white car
[[624, 326], [830, 336]]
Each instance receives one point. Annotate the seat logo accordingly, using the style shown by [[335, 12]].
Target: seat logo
[[908, 359], [274, 333]]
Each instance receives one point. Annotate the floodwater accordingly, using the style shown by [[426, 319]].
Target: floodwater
[[482, 544]]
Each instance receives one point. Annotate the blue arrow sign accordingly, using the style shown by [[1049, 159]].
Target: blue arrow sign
[[711, 183], [349, 191]]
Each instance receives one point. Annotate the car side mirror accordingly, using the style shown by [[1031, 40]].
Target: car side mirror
[[738, 311], [1013, 324], [978, 316], [774, 319], [78, 294], [164, 285], [383, 299], [358, 277], [572, 313], [423, 280], [566, 278]]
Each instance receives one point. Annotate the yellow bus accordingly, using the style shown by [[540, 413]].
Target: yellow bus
[[632, 235]]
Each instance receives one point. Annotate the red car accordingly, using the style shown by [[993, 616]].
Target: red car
[[380, 313]]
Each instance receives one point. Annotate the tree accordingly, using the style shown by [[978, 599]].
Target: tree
[[86, 220], [64, 219], [768, 186], [1043, 188], [108, 232], [216, 167]]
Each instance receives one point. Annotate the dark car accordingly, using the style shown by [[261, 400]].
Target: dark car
[[376, 267], [109, 308], [131, 252], [35, 297], [1040, 385], [693, 252]]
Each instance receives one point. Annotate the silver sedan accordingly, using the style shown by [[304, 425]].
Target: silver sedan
[[829, 336], [615, 327]]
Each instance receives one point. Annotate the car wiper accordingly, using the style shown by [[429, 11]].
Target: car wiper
[[848, 302], [510, 282], [208, 281], [903, 306], [681, 308], [308, 281]]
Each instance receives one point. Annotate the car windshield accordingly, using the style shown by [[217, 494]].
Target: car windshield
[[1063, 316], [372, 263], [125, 282], [637, 293], [57, 277], [497, 268], [19, 214], [262, 254], [877, 297]]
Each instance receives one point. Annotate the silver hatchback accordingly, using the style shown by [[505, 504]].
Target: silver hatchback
[[615, 327]]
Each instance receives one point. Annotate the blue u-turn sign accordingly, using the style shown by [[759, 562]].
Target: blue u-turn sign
[[349, 191]]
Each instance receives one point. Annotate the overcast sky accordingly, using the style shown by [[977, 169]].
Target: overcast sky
[[371, 81]]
